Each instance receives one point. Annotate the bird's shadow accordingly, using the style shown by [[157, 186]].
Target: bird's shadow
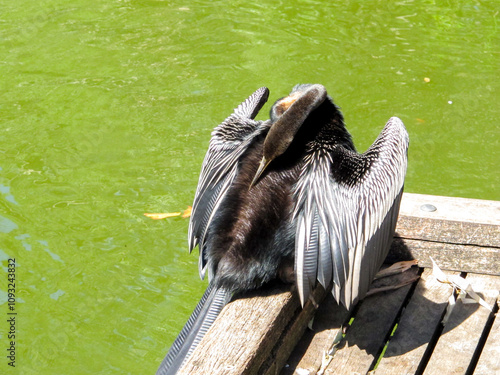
[[370, 324]]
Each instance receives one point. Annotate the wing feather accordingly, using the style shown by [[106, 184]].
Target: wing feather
[[229, 141], [325, 261], [355, 211]]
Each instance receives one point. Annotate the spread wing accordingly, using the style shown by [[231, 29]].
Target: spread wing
[[229, 141], [346, 210]]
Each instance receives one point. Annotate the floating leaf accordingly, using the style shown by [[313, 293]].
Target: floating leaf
[[184, 214], [187, 212], [162, 216]]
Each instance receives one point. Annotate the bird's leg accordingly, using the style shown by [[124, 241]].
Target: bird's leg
[[395, 269]]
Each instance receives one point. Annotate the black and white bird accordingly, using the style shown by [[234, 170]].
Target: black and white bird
[[291, 193]]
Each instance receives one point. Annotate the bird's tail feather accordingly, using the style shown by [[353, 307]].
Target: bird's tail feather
[[211, 304]]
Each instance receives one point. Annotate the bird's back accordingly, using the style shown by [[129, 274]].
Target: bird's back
[[252, 234]]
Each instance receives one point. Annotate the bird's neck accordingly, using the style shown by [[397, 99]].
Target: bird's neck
[[326, 129]]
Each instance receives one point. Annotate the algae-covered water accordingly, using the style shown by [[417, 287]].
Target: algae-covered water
[[106, 109]]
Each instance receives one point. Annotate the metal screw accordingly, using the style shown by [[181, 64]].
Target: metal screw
[[428, 208]]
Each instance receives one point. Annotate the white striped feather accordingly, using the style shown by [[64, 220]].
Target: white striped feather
[[355, 221]]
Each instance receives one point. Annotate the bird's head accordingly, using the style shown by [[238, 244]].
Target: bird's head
[[287, 115]]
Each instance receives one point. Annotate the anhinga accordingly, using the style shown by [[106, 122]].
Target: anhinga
[[291, 192]]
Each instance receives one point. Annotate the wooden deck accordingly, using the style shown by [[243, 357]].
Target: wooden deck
[[394, 332]]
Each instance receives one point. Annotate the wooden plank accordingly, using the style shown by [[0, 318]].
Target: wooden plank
[[453, 232], [367, 335], [456, 346], [256, 332], [244, 333], [450, 208], [461, 235], [489, 362], [307, 356], [450, 257], [292, 334], [419, 322]]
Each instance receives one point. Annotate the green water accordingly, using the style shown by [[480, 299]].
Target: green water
[[106, 109]]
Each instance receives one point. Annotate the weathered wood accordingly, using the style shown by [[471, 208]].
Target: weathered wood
[[450, 257], [364, 339], [308, 354], [456, 346], [292, 335], [450, 208], [489, 362], [419, 322], [447, 231], [367, 335], [244, 334], [461, 235]]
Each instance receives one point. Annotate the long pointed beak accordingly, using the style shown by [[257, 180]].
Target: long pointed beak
[[262, 166]]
